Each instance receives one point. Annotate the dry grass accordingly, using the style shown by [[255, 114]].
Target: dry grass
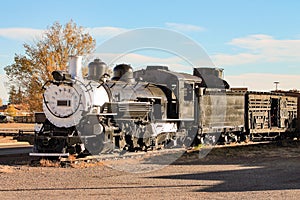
[[73, 163], [49, 163], [82, 164], [6, 169]]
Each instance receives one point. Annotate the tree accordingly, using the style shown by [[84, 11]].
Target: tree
[[51, 52], [11, 110], [19, 96], [14, 96]]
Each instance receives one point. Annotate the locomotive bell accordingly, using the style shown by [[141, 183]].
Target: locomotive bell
[[123, 72], [97, 69]]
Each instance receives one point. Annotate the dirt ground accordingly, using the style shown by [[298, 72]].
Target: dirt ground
[[7, 139], [16, 125], [245, 172]]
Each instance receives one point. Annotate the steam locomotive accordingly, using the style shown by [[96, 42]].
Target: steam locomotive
[[153, 108]]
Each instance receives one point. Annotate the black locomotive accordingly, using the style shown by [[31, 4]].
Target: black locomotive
[[153, 108]]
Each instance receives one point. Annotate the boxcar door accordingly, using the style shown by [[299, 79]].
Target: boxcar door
[[275, 112]]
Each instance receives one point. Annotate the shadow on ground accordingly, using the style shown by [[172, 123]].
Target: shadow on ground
[[262, 167]]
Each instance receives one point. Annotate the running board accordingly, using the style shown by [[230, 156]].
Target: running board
[[50, 154]]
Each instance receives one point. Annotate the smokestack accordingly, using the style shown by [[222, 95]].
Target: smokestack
[[75, 67]]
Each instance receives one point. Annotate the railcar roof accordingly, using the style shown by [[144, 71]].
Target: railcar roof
[[178, 75], [186, 76]]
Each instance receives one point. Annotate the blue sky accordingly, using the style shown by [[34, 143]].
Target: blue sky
[[256, 42]]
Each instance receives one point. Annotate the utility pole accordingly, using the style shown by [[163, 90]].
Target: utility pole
[[276, 85]]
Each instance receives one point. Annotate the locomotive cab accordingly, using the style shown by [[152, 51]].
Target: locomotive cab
[[179, 89]]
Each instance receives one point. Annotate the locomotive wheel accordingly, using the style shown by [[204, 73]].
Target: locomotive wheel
[[210, 139], [144, 141], [226, 139], [95, 145], [244, 138], [121, 143]]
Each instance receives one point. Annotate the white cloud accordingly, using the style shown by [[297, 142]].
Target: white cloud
[[28, 34], [137, 61], [184, 27], [105, 32], [18, 33], [264, 82], [3, 89], [253, 81], [21, 34], [260, 48], [236, 59]]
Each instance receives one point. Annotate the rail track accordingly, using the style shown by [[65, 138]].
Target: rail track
[[143, 161], [66, 161], [21, 135], [15, 154], [18, 149], [19, 154], [15, 131]]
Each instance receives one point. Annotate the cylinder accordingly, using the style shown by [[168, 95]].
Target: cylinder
[[75, 67]]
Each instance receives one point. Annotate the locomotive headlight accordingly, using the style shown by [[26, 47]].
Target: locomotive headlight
[[61, 76]]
